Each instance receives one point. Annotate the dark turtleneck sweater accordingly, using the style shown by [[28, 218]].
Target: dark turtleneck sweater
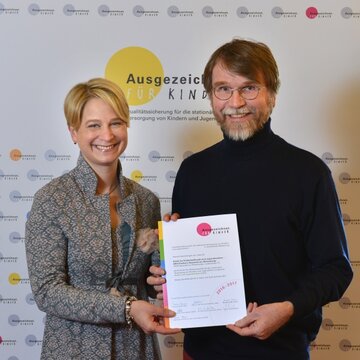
[[292, 240]]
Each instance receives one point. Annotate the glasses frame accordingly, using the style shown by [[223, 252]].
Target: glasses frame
[[239, 90]]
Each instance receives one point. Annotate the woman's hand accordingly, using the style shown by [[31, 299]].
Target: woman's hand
[[156, 280], [151, 318]]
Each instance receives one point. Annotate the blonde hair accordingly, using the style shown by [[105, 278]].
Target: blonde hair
[[100, 88]]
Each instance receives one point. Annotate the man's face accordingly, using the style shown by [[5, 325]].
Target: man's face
[[239, 118]]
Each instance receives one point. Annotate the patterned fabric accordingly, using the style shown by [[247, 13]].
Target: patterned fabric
[[69, 255]]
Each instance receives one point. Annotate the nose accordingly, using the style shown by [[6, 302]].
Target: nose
[[107, 133], [236, 100]]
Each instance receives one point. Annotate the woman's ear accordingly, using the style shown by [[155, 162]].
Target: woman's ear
[[73, 134]]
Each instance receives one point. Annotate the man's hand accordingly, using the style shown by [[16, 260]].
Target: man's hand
[[262, 321], [172, 217]]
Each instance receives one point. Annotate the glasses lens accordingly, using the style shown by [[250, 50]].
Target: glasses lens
[[249, 92], [223, 92]]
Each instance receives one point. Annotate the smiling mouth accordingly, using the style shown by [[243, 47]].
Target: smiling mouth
[[104, 148], [236, 113], [239, 116]]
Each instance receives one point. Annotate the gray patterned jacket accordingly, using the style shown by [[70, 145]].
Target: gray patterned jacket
[[69, 255]]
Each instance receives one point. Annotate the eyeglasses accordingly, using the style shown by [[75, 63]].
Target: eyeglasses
[[249, 92]]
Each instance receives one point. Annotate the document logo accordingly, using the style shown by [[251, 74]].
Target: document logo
[[204, 229]]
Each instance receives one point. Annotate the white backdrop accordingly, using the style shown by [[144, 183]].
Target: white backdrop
[[48, 46]]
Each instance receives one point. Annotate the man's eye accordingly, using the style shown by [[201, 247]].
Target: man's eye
[[224, 88], [249, 88]]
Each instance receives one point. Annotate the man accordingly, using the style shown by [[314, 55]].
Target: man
[[293, 245]]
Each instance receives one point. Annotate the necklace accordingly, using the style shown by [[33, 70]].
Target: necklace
[[112, 189]]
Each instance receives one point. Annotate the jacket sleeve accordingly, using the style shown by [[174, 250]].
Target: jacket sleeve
[[46, 252]]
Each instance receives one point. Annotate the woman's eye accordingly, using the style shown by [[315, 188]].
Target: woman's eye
[[117, 123]]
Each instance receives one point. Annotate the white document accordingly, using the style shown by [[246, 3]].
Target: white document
[[204, 278]]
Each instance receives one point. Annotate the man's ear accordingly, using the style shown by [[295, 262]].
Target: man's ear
[[273, 100]]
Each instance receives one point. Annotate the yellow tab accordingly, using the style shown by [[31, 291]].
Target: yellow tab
[[160, 230]]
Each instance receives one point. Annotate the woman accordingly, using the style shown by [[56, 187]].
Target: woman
[[89, 241]]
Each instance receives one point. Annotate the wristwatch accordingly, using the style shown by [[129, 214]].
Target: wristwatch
[[128, 318]]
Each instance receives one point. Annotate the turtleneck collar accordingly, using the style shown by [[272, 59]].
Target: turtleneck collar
[[253, 144]]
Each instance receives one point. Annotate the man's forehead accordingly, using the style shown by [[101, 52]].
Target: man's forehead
[[220, 69]]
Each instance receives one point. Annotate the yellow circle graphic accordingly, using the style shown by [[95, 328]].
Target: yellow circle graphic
[[15, 154], [138, 72], [136, 175], [14, 278]]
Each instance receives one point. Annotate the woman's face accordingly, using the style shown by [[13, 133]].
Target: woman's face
[[102, 135]]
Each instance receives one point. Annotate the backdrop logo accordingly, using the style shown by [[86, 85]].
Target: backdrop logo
[[209, 12], [104, 10], [242, 12], [15, 196], [329, 158], [344, 303], [15, 154], [204, 229], [33, 175], [136, 175], [15, 237], [10, 177], [186, 154], [169, 341], [344, 178], [14, 279], [348, 13], [173, 11], [31, 340], [155, 156], [125, 157], [8, 11], [69, 10], [170, 176], [30, 299], [277, 13], [34, 9], [138, 72], [139, 11], [311, 12], [345, 345]]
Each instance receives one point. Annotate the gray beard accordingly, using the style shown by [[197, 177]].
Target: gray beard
[[238, 134], [242, 133]]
